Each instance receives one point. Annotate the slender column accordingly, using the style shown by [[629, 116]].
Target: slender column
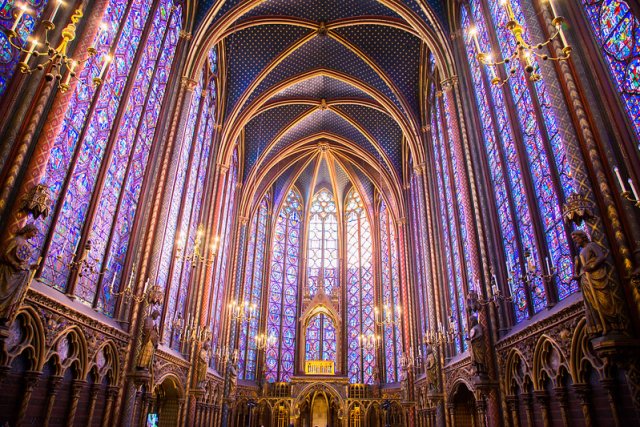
[[112, 392], [563, 400], [583, 392], [610, 386], [30, 381], [181, 414], [529, 408], [54, 386], [543, 403], [93, 396], [76, 389], [512, 402]]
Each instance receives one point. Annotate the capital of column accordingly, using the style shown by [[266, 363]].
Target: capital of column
[[188, 83], [449, 83], [185, 35]]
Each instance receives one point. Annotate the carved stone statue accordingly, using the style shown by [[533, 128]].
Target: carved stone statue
[[431, 365], [203, 364], [605, 310], [476, 343], [15, 271], [150, 338], [233, 377]]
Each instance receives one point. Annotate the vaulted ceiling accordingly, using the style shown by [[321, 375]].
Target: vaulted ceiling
[[341, 77]]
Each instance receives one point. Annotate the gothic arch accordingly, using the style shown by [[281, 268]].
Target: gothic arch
[[26, 335], [69, 350], [549, 360]]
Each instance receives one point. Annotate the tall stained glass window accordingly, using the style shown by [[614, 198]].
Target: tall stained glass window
[[421, 258], [527, 153], [323, 243], [220, 279], [98, 164], [283, 290], [252, 294], [10, 56], [390, 265], [617, 31], [360, 292]]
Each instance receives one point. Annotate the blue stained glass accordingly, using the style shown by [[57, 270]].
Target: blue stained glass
[[253, 284], [322, 258], [539, 159], [360, 299], [283, 290], [617, 32], [390, 294]]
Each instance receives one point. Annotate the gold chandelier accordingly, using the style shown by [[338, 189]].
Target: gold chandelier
[[55, 59], [524, 50]]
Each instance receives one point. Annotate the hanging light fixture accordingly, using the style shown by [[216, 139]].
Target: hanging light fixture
[[524, 50], [56, 59]]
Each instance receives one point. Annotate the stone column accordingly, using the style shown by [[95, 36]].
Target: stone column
[[54, 386], [30, 381], [610, 386], [583, 392], [512, 402], [112, 392], [543, 403], [76, 389], [93, 396]]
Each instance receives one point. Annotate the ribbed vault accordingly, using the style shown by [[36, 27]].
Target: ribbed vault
[[331, 84]]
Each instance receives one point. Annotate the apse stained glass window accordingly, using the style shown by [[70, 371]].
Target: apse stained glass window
[[252, 294], [283, 290], [540, 159], [617, 31], [320, 338], [360, 292], [322, 256], [92, 150], [390, 294], [10, 56]]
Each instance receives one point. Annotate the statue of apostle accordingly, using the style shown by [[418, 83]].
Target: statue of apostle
[[15, 272], [150, 338], [605, 311]]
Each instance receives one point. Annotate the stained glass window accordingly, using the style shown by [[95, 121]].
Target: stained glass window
[[322, 256], [283, 290], [98, 163], [252, 294], [10, 56], [390, 294], [617, 31], [421, 259], [539, 162], [220, 280], [320, 338], [360, 292]]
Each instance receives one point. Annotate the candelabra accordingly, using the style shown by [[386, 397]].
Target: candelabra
[[411, 359], [524, 50], [128, 294], [441, 336], [263, 341], [243, 310], [56, 58], [635, 199], [474, 300], [196, 256], [369, 341], [80, 261], [225, 354], [387, 315]]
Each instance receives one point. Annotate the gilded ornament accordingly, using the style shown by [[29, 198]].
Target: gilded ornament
[[37, 201], [577, 209]]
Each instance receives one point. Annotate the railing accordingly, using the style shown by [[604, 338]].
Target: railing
[[319, 367]]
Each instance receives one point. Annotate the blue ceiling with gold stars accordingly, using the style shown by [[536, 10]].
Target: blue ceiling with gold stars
[[330, 71]]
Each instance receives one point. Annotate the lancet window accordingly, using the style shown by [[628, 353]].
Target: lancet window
[[617, 31], [283, 290], [528, 165], [322, 257], [98, 165], [252, 294], [360, 290]]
